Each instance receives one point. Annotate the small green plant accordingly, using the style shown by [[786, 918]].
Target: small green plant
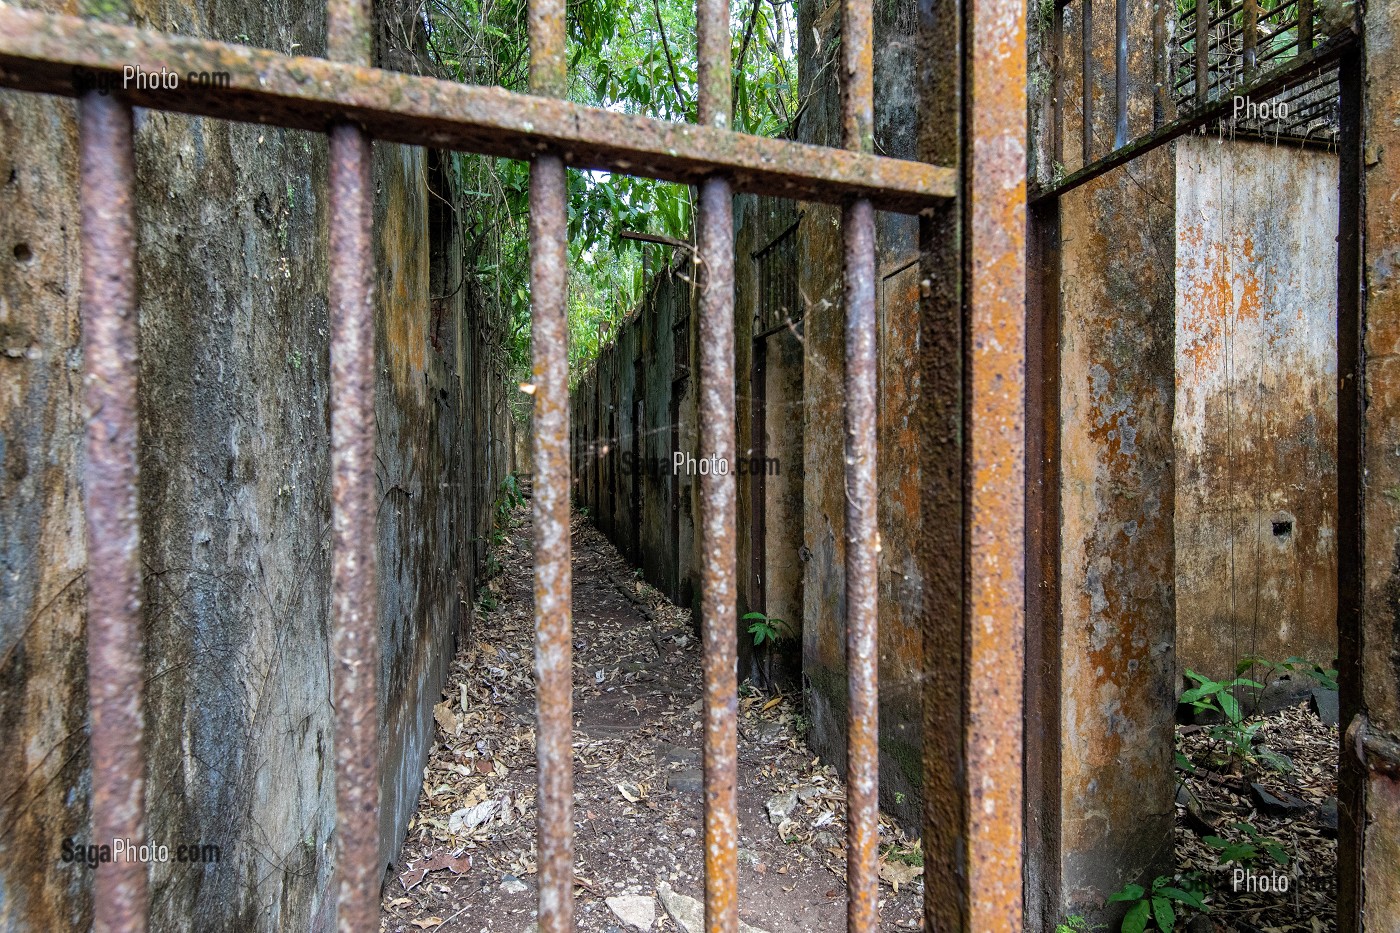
[[1244, 853], [763, 628], [1077, 923], [1214, 696], [1157, 906]]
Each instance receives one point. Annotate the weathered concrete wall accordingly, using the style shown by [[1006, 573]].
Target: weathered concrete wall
[[898, 467], [1103, 817], [1256, 404], [630, 411], [234, 492], [1116, 566]]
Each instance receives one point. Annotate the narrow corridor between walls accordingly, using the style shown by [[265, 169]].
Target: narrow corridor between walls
[[468, 863]]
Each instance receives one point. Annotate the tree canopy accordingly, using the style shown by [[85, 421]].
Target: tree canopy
[[634, 56]]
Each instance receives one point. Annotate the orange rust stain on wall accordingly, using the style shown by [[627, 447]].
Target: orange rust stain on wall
[[403, 272], [1255, 426]]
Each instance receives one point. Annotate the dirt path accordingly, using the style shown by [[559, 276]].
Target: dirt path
[[638, 808]]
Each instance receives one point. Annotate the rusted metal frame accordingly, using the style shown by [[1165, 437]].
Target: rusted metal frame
[[554, 700], [1251, 37], [1351, 485], [862, 531], [1305, 25], [1086, 79], [1202, 51], [115, 653], [1043, 621], [40, 52], [354, 593], [1228, 77], [994, 458], [719, 587], [1261, 87], [942, 72], [1120, 74]]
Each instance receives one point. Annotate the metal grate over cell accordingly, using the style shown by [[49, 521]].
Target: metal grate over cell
[[355, 104]]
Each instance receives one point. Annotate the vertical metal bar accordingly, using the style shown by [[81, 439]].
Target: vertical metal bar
[[354, 601], [994, 186], [1086, 78], [719, 565], [1305, 26], [116, 669], [549, 260], [862, 535], [1351, 484], [1120, 75], [1202, 51], [1251, 38]]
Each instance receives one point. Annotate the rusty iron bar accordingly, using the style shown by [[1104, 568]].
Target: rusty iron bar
[[554, 701], [719, 568], [354, 601], [40, 52], [354, 590], [719, 588], [1202, 51], [1305, 25], [116, 660], [994, 473], [862, 532]]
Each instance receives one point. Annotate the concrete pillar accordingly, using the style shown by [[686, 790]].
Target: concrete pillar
[[1117, 558]]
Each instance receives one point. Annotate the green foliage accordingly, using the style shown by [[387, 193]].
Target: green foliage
[[1243, 853], [763, 628], [631, 56], [1077, 923], [1215, 696], [1325, 676], [1156, 907]]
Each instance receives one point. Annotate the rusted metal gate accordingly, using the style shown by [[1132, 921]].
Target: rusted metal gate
[[354, 104]]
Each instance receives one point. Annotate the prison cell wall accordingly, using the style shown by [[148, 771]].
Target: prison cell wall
[[1256, 404], [235, 495], [897, 466], [1103, 815]]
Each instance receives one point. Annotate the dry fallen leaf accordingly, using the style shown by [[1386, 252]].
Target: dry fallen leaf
[[897, 873], [428, 923]]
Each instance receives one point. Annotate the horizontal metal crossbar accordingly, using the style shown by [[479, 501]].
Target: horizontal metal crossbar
[[60, 54]]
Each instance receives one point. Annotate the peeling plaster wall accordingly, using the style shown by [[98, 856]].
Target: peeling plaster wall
[[1256, 404], [235, 498], [1117, 553]]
